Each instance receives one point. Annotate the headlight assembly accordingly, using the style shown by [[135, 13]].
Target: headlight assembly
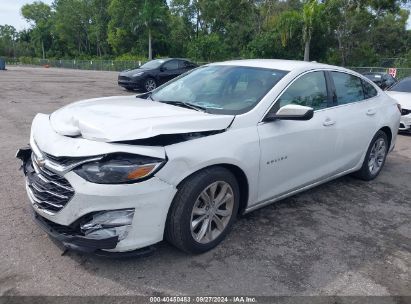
[[119, 168]]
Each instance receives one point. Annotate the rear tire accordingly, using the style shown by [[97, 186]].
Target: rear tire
[[375, 158], [203, 210]]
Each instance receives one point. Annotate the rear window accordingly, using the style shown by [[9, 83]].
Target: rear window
[[348, 87], [369, 90]]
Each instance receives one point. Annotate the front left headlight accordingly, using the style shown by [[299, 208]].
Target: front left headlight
[[120, 168]]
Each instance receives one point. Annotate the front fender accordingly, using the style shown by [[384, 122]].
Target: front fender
[[238, 147]]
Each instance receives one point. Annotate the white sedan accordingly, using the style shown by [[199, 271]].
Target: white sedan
[[181, 162], [401, 91]]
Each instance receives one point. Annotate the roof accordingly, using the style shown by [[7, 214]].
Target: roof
[[278, 64]]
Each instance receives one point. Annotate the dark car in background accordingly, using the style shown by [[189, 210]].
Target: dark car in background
[[154, 73], [383, 80]]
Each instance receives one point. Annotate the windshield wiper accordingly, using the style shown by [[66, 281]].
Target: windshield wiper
[[185, 105]]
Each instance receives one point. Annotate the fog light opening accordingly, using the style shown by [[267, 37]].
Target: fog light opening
[[106, 224]]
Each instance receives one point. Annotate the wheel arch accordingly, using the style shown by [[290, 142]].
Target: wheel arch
[[388, 132], [240, 176]]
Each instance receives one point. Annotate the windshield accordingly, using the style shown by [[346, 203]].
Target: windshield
[[402, 86], [220, 89], [153, 64]]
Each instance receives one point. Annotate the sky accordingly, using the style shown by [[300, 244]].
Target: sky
[[10, 13]]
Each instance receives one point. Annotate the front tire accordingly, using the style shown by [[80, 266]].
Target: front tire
[[150, 84], [375, 158], [203, 210]]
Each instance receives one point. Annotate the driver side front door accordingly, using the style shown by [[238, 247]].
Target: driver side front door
[[297, 153], [168, 71]]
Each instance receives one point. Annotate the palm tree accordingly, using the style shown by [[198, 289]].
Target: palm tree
[[310, 14], [152, 15], [306, 20]]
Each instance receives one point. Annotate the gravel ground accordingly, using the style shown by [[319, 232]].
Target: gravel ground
[[346, 237]]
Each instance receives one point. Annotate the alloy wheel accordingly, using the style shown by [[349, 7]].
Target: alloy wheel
[[377, 156], [212, 212], [150, 85]]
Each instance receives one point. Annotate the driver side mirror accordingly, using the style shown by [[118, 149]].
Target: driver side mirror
[[163, 68], [291, 112]]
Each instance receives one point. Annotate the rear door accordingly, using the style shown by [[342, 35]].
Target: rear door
[[298, 153], [356, 113]]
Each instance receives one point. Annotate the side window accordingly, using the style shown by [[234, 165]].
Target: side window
[[309, 90], [185, 64], [369, 90], [347, 87], [171, 65]]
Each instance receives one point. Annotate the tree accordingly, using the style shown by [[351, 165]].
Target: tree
[[152, 15], [342, 32], [8, 39], [287, 24], [121, 36], [310, 15], [39, 15]]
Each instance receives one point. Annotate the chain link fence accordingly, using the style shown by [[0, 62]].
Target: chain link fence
[[401, 72], [120, 65], [97, 65]]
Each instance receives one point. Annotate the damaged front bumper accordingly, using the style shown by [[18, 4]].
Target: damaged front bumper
[[67, 239], [70, 240], [100, 219], [96, 231]]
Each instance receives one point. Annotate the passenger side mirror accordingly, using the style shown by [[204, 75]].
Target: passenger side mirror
[[291, 112]]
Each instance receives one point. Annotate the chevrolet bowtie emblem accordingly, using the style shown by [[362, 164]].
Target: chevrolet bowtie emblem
[[40, 161]]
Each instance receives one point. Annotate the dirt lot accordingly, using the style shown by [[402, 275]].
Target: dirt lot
[[346, 237]]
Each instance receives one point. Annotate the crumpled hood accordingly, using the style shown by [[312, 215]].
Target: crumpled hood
[[122, 118], [403, 98]]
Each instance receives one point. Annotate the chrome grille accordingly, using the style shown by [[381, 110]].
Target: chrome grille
[[64, 160], [48, 190]]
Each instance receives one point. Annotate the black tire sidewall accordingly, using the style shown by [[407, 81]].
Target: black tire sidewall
[[365, 167], [196, 186]]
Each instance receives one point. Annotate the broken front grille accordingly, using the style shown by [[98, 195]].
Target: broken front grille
[[48, 190]]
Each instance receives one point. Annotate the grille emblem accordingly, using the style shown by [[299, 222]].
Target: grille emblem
[[40, 161]]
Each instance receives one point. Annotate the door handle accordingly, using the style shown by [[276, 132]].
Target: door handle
[[371, 112], [328, 122]]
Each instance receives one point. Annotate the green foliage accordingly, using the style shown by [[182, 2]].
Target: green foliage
[[131, 57], [208, 48], [343, 32], [39, 14]]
